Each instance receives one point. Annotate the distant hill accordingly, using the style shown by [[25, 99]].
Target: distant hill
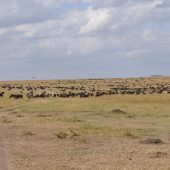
[[158, 76]]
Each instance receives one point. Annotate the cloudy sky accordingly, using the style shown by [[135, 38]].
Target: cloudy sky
[[54, 39]]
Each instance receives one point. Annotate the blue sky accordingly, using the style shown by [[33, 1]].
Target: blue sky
[[62, 39]]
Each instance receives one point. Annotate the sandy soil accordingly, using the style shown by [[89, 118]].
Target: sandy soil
[[94, 154], [3, 163], [44, 151]]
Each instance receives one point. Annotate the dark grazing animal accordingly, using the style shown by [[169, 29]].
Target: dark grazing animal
[[16, 96], [2, 94]]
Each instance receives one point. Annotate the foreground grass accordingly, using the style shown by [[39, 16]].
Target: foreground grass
[[121, 116], [142, 105], [91, 129], [85, 133]]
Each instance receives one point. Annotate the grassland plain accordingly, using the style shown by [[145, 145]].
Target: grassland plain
[[86, 133]]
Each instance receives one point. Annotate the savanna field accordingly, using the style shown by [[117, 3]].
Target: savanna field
[[95, 124]]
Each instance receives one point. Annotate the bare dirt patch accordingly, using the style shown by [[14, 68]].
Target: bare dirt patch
[[3, 158]]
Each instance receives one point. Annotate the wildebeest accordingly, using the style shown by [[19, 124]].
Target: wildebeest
[[2, 94], [16, 96], [42, 95]]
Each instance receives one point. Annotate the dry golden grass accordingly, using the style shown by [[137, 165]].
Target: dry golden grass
[[85, 133]]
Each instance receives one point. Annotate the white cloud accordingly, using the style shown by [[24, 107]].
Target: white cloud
[[84, 45], [134, 53], [96, 19], [148, 35], [114, 30]]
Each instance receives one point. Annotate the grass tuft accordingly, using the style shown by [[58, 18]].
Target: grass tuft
[[28, 133]]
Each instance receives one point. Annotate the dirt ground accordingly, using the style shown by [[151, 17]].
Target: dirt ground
[[3, 163], [45, 142]]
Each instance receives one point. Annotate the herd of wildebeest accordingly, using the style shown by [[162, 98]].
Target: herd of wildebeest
[[84, 88]]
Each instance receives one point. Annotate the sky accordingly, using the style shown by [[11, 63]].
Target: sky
[[71, 39]]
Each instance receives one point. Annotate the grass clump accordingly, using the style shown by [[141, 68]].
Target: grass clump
[[92, 129], [68, 133], [76, 119], [28, 133], [129, 133], [61, 135], [74, 133], [44, 115], [118, 111], [4, 119], [41, 118]]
